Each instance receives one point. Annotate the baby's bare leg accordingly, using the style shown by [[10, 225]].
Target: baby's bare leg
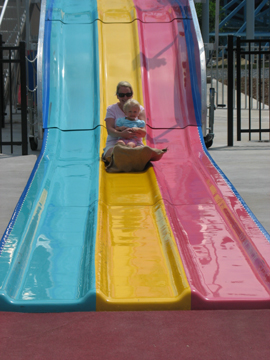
[[120, 142], [131, 144]]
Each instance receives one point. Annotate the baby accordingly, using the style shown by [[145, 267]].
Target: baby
[[131, 109]]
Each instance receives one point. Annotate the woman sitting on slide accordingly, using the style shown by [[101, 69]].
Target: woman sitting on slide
[[124, 92]]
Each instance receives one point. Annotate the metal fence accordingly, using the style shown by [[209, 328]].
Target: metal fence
[[253, 86], [244, 49], [13, 56], [217, 69]]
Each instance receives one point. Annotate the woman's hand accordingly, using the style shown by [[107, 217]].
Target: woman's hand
[[126, 134], [120, 128], [139, 132]]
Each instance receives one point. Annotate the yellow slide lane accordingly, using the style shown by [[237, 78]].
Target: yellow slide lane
[[137, 262]]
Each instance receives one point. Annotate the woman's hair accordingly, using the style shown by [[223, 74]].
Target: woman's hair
[[131, 103], [125, 84]]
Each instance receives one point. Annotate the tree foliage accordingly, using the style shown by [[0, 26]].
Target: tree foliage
[[212, 14]]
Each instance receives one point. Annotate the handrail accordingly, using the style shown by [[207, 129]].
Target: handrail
[[40, 67], [202, 63], [3, 12]]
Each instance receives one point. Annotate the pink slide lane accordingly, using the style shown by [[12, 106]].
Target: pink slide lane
[[226, 255]]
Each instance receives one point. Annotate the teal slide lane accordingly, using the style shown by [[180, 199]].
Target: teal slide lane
[[72, 11], [73, 102], [47, 260]]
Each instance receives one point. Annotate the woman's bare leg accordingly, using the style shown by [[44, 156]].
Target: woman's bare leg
[[108, 153]]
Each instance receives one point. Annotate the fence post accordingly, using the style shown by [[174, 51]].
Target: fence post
[[2, 104], [260, 92], [2, 119], [238, 66], [230, 91], [23, 99]]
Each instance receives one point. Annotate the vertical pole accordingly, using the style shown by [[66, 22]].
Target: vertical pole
[[10, 102], [249, 90], [18, 14], [205, 25], [211, 110], [2, 98], [230, 91], [216, 45], [238, 66], [23, 98], [250, 9], [27, 23], [260, 91], [2, 118], [217, 25]]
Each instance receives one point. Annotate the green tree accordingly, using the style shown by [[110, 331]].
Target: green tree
[[212, 14]]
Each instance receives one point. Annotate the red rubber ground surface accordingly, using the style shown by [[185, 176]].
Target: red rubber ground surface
[[136, 335]]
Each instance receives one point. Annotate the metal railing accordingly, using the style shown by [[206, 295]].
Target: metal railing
[[248, 74], [5, 8], [260, 52], [3, 12], [16, 19], [15, 55], [217, 69], [12, 25]]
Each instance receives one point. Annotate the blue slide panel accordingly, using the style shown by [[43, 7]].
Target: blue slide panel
[[72, 11], [47, 260], [74, 91], [47, 263]]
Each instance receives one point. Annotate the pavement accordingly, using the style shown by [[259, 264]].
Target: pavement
[[15, 170], [247, 163], [147, 335]]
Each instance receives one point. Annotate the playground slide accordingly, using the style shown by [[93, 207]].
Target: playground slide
[[225, 254], [176, 236]]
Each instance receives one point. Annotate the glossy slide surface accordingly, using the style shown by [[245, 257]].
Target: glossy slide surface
[[176, 236], [47, 258], [226, 255], [137, 261]]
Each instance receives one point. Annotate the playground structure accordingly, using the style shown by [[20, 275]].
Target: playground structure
[[177, 236], [249, 19]]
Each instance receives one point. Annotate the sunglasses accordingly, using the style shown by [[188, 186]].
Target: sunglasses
[[121, 95]]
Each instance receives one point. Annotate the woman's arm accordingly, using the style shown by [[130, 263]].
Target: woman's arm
[[142, 115], [120, 128], [141, 132], [110, 125]]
